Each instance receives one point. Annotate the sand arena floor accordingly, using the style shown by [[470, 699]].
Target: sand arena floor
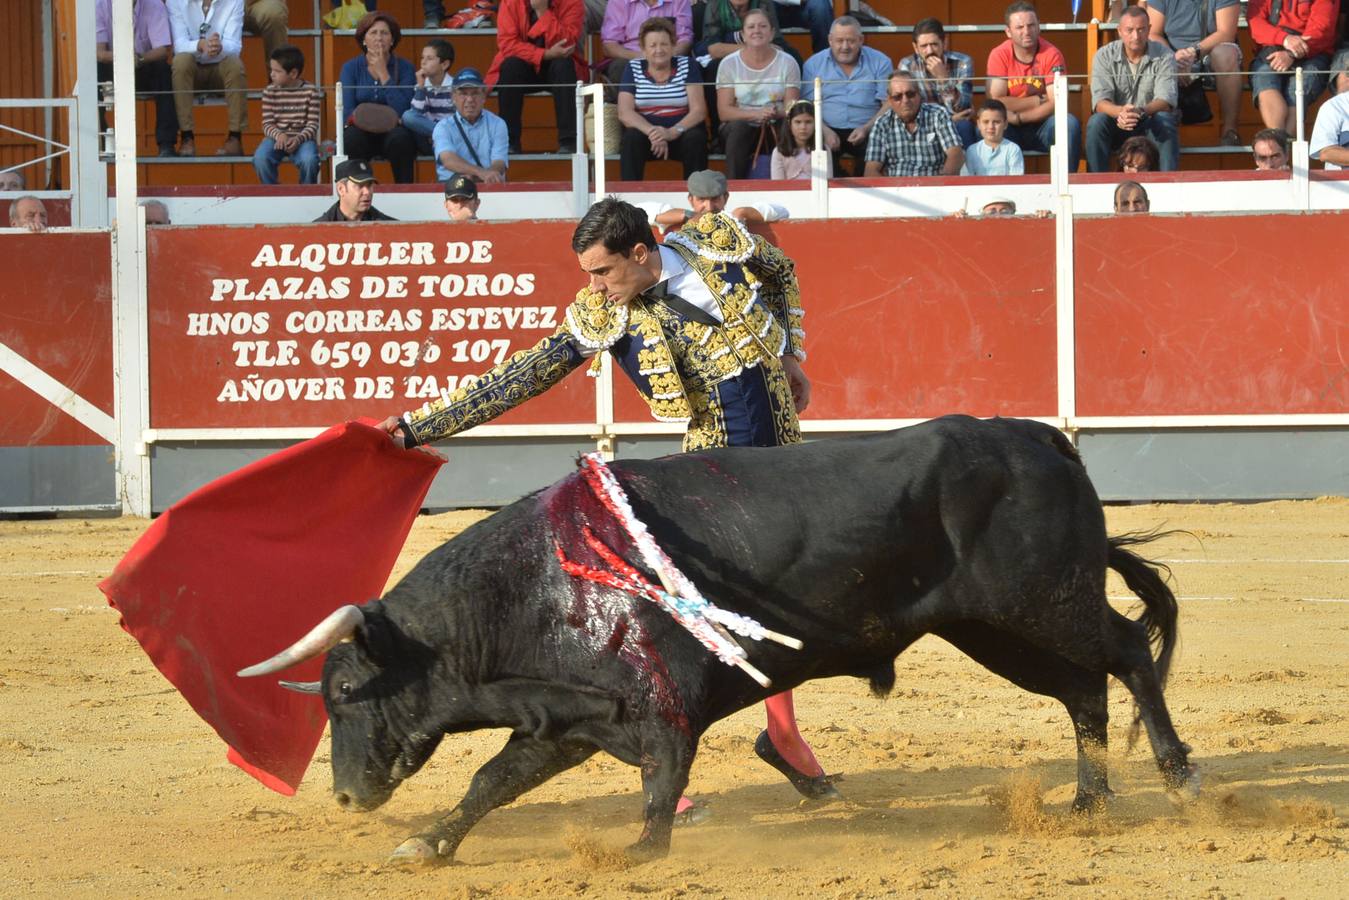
[[957, 786]]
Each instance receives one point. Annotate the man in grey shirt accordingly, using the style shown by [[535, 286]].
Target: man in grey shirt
[[1203, 34], [1133, 91]]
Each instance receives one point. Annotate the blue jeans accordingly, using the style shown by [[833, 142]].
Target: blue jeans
[[817, 15], [267, 160], [966, 131], [1103, 136], [1041, 137], [422, 127]]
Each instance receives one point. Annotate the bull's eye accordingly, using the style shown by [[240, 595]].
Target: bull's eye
[[345, 688]]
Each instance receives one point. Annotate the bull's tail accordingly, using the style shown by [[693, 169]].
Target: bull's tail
[[1160, 610]]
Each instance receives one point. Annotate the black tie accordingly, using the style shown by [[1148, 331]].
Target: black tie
[[660, 293]]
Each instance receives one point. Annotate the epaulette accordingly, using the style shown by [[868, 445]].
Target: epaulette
[[594, 321], [716, 237]]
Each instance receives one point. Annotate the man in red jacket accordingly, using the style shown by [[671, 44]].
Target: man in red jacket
[[538, 45], [1288, 35]]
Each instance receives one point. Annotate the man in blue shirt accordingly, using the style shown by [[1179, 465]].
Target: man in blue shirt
[[473, 141], [854, 78]]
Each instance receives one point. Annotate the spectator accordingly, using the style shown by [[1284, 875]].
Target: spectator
[[28, 212], [993, 155], [1270, 149], [709, 193], [156, 213], [1131, 198], [754, 86], [1000, 206], [1133, 91], [206, 44], [1330, 134], [471, 133], [1139, 154], [433, 12], [538, 45], [11, 180], [853, 77], [1020, 71], [912, 137], [290, 119], [433, 98], [270, 19], [722, 34], [944, 76], [153, 44], [661, 106], [1289, 36], [623, 22], [815, 15], [1339, 70], [355, 185], [796, 140], [461, 199], [376, 90], [1203, 37]]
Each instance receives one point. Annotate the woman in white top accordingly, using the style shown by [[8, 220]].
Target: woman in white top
[[754, 86]]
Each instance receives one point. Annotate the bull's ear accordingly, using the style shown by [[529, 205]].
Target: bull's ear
[[375, 635]]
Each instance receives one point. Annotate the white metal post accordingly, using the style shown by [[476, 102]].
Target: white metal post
[[130, 346], [340, 138], [89, 205], [1300, 183], [1065, 342], [580, 178], [819, 158], [1058, 154]]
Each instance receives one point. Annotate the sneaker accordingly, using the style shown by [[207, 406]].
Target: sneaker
[[167, 152], [566, 148], [187, 148], [231, 147], [431, 22], [1231, 138]]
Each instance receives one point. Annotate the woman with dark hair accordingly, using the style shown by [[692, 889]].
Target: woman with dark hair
[[754, 86], [1139, 154], [660, 105], [376, 91]]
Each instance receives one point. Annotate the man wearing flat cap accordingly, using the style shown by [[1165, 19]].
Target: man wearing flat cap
[[355, 185], [709, 193], [461, 199], [707, 326]]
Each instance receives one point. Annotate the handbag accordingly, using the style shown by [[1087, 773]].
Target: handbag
[[613, 129], [761, 163], [346, 16], [374, 118]]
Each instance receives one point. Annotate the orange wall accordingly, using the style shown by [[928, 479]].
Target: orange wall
[[21, 76]]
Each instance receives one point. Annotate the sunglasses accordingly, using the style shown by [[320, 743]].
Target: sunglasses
[[903, 95]]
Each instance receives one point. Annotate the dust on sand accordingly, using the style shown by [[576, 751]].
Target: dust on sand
[[958, 785]]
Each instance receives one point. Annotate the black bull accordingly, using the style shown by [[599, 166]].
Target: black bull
[[986, 533]]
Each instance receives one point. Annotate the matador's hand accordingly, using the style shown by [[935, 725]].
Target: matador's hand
[[800, 384]]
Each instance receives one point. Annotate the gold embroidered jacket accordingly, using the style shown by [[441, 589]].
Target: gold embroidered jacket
[[676, 363]]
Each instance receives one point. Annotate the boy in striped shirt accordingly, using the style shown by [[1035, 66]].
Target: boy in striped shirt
[[290, 119]]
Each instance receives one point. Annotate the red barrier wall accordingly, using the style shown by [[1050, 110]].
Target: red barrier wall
[[1208, 315], [56, 312]]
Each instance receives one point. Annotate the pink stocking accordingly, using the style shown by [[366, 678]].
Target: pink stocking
[[786, 738]]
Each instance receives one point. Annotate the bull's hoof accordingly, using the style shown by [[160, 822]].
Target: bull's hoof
[[645, 852], [812, 787], [416, 851], [1184, 790], [1092, 803]]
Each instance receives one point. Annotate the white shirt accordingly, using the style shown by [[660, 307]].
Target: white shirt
[[771, 212], [1332, 126], [225, 18]]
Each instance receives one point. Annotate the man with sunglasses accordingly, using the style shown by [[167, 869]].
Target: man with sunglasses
[[208, 36], [913, 138]]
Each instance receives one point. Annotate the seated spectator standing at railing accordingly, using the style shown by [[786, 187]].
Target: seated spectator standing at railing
[[207, 40], [754, 87], [1130, 198], [944, 76], [11, 181], [660, 104], [854, 77], [993, 155], [1330, 134], [1288, 35], [1270, 149], [1139, 154], [156, 213], [1020, 71], [376, 91], [28, 212], [461, 199], [290, 119], [152, 44], [1133, 91], [814, 15], [623, 22], [473, 141], [709, 193], [538, 45], [913, 138], [433, 98], [271, 20], [355, 185], [1204, 38]]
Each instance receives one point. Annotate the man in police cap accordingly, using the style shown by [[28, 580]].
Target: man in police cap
[[461, 199], [709, 193], [355, 193]]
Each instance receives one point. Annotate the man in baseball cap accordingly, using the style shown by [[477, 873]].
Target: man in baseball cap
[[709, 192], [355, 184], [461, 199]]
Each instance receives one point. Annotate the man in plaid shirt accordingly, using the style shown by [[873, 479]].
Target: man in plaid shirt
[[944, 76], [912, 137]]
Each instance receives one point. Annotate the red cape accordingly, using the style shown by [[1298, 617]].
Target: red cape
[[244, 566]]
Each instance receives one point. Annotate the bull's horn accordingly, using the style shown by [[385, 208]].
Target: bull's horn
[[341, 625], [303, 687]]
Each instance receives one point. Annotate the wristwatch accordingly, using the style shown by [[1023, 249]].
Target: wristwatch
[[680, 129]]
